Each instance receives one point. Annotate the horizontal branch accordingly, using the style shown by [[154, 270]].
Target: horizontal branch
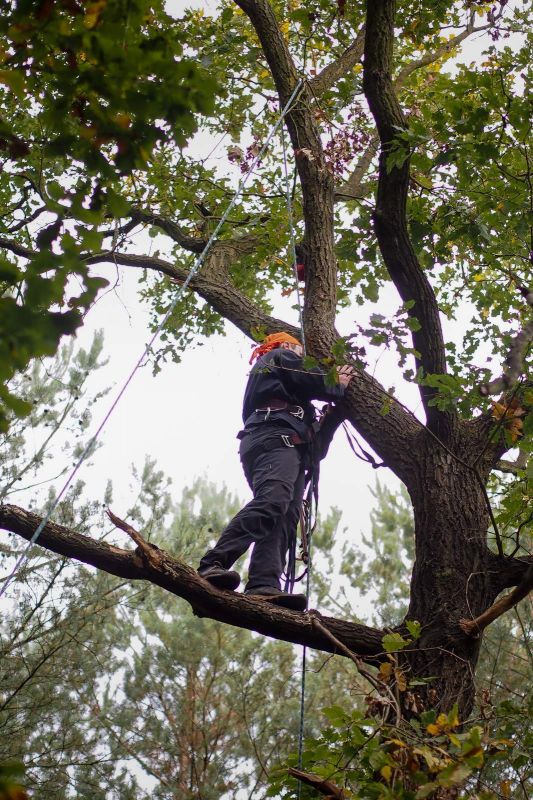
[[214, 286], [16, 248], [191, 243], [160, 568]]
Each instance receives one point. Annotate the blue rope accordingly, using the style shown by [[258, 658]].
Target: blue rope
[[179, 294]]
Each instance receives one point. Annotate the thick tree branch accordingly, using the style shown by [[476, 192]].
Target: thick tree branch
[[16, 248], [213, 285], [512, 467], [150, 563], [516, 356], [320, 784], [339, 68], [171, 228], [508, 572], [390, 217], [474, 627]]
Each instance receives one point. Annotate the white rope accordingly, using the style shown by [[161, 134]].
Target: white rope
[[292, 239], [193, 271]]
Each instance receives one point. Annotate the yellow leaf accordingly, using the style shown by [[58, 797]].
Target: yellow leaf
[[433, 729], [386, 772], [498, 410], [505, 788], [401, 680], [480, 277], [385, 671]]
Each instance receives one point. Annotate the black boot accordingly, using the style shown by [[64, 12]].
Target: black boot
[[219, 577], [296, 602]]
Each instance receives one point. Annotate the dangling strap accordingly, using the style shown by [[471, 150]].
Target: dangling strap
[[307, 526]]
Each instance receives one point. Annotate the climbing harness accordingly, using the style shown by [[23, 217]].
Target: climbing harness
[[193, 271]]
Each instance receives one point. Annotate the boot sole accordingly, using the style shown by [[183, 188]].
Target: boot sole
[[226, 582]]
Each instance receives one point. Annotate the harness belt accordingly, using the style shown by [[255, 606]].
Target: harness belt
[[281, 440], [281, 405]]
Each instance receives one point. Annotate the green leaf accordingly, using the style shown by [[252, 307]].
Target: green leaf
[[414, 627], [392, 642]]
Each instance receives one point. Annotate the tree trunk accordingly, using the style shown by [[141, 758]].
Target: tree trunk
[[450, 580]]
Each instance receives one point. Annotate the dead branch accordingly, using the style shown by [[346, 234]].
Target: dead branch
[[474, 627], [322, 785]]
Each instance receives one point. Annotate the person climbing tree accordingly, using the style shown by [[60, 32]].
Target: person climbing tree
[[275, 450]]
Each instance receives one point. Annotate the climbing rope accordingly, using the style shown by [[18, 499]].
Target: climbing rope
[[193, 271], [292, 237]]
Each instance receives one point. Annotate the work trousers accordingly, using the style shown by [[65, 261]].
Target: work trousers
[[277, 480]]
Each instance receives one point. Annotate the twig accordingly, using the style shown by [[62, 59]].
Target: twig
[[377, 684], [145, 547]]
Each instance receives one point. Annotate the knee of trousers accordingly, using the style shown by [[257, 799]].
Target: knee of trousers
[[278, 496]]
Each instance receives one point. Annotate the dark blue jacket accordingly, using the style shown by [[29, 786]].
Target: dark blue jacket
[[280, 375]]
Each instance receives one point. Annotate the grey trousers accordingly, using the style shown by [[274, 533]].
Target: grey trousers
[[277, 480]]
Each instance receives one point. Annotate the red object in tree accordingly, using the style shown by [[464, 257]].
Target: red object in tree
[[300, 272]]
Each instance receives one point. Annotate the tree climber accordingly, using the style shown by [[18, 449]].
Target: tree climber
[[278, 427]]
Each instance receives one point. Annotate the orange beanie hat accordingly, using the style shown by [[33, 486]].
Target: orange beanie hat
[[271, 342]]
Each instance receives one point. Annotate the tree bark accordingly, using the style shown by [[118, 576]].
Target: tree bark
[[451, 577]]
